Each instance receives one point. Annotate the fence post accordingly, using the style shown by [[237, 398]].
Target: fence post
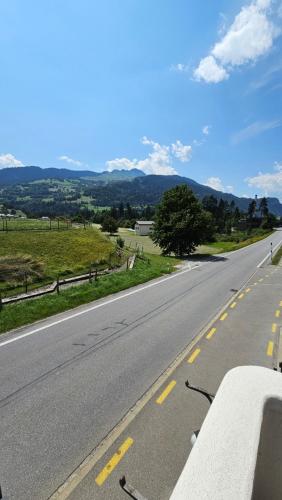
[[96, 274], [25, 282], [58, 285], [127, 263], [90, 274], [1, 307]]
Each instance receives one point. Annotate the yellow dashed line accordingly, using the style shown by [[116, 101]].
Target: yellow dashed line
[[211, 333], [166, 392], [234, 304], [261, 279], [274, 327], [224, 316], [280, 303], [248, 290], [241, 295], [277, 313], [113, 462], [269, 351], [194, 356], [255, 284]]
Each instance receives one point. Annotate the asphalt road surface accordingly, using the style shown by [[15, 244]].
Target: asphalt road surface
[[67, 381]]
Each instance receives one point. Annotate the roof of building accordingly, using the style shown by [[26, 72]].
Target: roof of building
[[144, 222]]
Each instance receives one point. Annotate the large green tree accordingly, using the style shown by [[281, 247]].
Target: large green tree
[[180, 222]]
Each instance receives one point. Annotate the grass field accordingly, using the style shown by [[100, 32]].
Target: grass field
[[31, 224], [15, 315], [59, 252], [133, 240]]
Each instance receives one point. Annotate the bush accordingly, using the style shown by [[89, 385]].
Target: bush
[[120, 242]]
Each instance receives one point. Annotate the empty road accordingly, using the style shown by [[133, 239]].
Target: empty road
[[68, 380]]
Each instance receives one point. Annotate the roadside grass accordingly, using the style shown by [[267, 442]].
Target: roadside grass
[[61, 253], [229, 246], [277, 257], [23, 313]]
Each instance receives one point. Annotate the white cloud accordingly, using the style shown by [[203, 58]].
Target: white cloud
[[66, 158], [9, 160], [181, 151], [217, 184], [210, 71], [268, 182], [206, 129], [157, 162], [250, 36], [180, 67], [253, 130]]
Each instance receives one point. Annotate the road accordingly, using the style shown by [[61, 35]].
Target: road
[[67, 381]]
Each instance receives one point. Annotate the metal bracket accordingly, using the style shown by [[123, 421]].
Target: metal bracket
[[207, 395], [132, 492]]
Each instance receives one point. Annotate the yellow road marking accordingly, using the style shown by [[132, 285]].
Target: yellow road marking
[[280, 303], [261, 279], [277, 313], [274, 327], [241, 295], [194, 356], [255, 284], [269, 351], [248, 290], [166, 392], [234, 304], [224, 316], [211, 333], [113, 462]]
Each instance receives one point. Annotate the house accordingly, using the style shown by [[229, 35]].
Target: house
[[143, 227]]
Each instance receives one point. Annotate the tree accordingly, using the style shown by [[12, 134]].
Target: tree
[[109, 225], [269, 221], [263, 207], [252, 210], [181, 223]]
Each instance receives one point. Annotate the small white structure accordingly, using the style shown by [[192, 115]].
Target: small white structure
[[143, 227], [238, 453]]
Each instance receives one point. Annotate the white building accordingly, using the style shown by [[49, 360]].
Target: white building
[[143, 227]]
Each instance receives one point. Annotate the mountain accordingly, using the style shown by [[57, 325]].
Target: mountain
[[63, 191], [21, 175], [148, 190]]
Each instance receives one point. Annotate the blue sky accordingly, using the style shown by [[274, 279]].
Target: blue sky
[[166, 86]]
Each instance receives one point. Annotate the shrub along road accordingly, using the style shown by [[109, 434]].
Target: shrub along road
[[68, 380]]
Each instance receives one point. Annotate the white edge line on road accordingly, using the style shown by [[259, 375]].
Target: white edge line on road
[[269, 254], [97, 306]]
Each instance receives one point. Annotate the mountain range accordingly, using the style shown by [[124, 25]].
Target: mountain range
[[105, 188]]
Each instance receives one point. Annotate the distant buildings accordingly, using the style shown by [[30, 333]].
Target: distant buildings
[[143, 227]]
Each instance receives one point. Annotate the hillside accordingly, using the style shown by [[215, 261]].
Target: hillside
[[64, 192], [21, 175]]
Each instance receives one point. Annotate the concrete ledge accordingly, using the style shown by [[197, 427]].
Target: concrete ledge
[[245, 417]]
